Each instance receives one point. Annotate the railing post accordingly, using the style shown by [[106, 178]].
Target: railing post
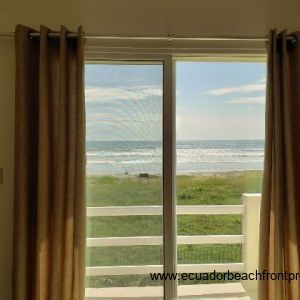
[[251, 219]]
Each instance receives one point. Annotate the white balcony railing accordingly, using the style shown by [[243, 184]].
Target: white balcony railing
[[250, 210]]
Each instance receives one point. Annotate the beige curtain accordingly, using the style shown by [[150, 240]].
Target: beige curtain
[[280, 212], [49, 219]]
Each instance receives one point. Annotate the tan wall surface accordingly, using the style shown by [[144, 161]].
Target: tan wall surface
[[141, 17], [6, 162], [245, 17]]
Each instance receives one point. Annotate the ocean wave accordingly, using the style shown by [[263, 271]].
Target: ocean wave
[[123, 154], [197, 155]]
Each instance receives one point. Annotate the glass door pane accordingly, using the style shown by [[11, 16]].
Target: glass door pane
[[124, 105], [220, 143]]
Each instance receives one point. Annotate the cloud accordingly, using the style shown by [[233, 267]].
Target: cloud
[[264, 80], [259, 86], [113, 94], [248, 100], [117, 118], [228, 126]]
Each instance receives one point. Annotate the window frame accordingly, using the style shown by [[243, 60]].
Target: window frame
[[169, 130]]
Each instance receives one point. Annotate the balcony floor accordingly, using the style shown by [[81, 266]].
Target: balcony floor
[[225, 291]]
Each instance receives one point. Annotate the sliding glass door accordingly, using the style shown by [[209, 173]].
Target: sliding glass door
[[220, 148], [124, 110], [174, 169]]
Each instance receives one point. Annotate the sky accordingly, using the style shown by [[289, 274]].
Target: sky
[[214, 100]]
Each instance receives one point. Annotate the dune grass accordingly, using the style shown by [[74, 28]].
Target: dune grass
[[201, 189]]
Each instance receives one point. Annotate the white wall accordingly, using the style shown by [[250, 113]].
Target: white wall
[[145, 17]]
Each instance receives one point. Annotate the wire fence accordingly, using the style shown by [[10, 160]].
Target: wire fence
[[153, 255]]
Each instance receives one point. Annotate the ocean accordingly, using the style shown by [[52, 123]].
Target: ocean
[[134, 157]]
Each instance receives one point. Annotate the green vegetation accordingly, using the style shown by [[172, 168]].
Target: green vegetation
[[212, 189]]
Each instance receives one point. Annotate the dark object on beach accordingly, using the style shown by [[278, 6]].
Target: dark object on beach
[[144, 175], [126, 173]]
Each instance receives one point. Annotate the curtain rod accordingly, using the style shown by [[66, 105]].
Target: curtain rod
[[167, 38]]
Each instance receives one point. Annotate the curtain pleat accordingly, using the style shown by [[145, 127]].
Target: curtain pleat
[[280, 222], [49, 223]]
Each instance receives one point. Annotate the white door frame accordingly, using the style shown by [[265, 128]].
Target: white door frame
[[169, 156], [168, 59]]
